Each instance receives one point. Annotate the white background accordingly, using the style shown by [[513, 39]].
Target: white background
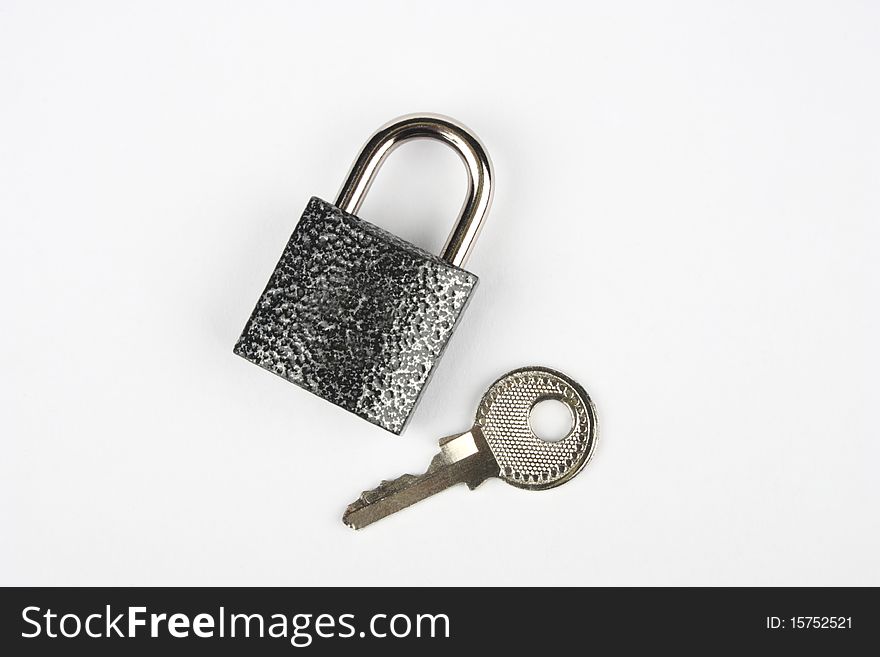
[[686, 221]]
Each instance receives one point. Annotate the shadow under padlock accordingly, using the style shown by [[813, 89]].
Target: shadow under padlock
[[357, 315]]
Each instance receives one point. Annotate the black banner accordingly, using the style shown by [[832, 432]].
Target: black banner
[[277, 621]]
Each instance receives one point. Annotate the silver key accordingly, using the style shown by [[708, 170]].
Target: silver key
[[500, 444]]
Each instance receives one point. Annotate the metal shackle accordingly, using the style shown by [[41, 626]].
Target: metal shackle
[[480, 187]]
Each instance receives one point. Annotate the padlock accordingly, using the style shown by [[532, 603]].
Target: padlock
[[357, 315]]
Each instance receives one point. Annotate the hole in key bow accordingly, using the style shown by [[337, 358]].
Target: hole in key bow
[[551, 420]]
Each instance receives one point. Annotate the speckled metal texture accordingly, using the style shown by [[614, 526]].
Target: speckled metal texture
[[356, 315], [524, 459]]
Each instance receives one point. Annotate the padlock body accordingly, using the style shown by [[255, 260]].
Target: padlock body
[[356, 315]]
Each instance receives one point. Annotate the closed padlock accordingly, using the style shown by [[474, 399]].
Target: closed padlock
[[357, 315]]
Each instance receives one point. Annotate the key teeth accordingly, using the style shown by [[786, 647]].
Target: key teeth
[[386, 487]]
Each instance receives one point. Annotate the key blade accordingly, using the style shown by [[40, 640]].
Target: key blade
[[463, 458]]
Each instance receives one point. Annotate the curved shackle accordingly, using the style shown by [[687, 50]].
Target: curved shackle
[[480, 188]]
